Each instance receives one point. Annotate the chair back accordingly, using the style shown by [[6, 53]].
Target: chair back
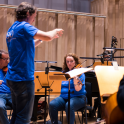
[[89, 93], [106, 63]]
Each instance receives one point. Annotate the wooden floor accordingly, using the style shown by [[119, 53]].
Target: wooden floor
[[91, 120]]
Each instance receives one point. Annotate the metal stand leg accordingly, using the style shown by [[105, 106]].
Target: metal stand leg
[[45, 102]]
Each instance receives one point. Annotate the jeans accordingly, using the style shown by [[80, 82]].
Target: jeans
[[22, 101], [59, 104], [4, 99]]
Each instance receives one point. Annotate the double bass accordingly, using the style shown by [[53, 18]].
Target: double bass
[[112, 112]]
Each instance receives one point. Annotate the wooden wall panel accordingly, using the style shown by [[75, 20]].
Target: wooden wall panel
[[89, 39], [66, 43], [47, 50], [7, 18], [1, 31], [114, 22], [81, 37], [121, 30], [99, 36], [81, 34]]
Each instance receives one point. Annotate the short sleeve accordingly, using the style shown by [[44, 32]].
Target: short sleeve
[[30, 30]]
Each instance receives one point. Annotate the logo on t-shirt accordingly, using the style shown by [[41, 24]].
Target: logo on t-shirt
[[9, 35]]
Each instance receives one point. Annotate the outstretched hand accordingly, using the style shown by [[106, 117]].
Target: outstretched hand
[[59, 32]]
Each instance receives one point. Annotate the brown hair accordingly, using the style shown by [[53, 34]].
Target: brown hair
[[76, 58], [23, 8]]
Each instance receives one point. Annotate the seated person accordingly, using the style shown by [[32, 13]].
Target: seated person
[[77, 95], [5, 95]]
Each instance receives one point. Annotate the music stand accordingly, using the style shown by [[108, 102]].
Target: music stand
[[108, 79], [69, 75], [46, 72]]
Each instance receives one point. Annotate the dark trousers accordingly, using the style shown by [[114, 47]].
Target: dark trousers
[[22, 101]]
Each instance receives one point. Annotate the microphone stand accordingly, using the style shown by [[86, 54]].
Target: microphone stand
[[69, 102], [112, 53], [46, 72], [67, 77]]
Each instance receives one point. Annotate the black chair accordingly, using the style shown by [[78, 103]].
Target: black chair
[[88, 105]]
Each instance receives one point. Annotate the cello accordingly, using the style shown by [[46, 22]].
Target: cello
[[112, 112]]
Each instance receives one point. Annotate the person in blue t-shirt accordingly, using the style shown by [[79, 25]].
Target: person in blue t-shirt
[[5, 94], [77, 89], [22, 38]]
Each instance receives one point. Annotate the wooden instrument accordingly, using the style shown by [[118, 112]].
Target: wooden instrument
[[5, 69], [112, 113]]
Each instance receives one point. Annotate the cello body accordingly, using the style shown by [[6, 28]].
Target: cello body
[[112, 113]]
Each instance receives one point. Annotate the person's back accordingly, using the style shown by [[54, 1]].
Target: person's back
[[21, 66]]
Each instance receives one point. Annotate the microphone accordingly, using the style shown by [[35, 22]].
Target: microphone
[[100, 55]]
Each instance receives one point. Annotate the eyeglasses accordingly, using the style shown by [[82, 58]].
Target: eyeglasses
[[5, 59]]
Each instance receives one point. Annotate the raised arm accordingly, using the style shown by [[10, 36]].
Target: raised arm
[[48, 36]]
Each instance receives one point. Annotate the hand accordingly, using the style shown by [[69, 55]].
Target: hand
[[76, 80], [59, 32], [1, 81]]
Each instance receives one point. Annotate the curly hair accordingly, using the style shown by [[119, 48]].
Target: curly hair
[[23, 8], [76, 58]]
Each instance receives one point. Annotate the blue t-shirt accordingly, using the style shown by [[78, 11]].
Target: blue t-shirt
[[21, 49], [3, 87], [74, 93]]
